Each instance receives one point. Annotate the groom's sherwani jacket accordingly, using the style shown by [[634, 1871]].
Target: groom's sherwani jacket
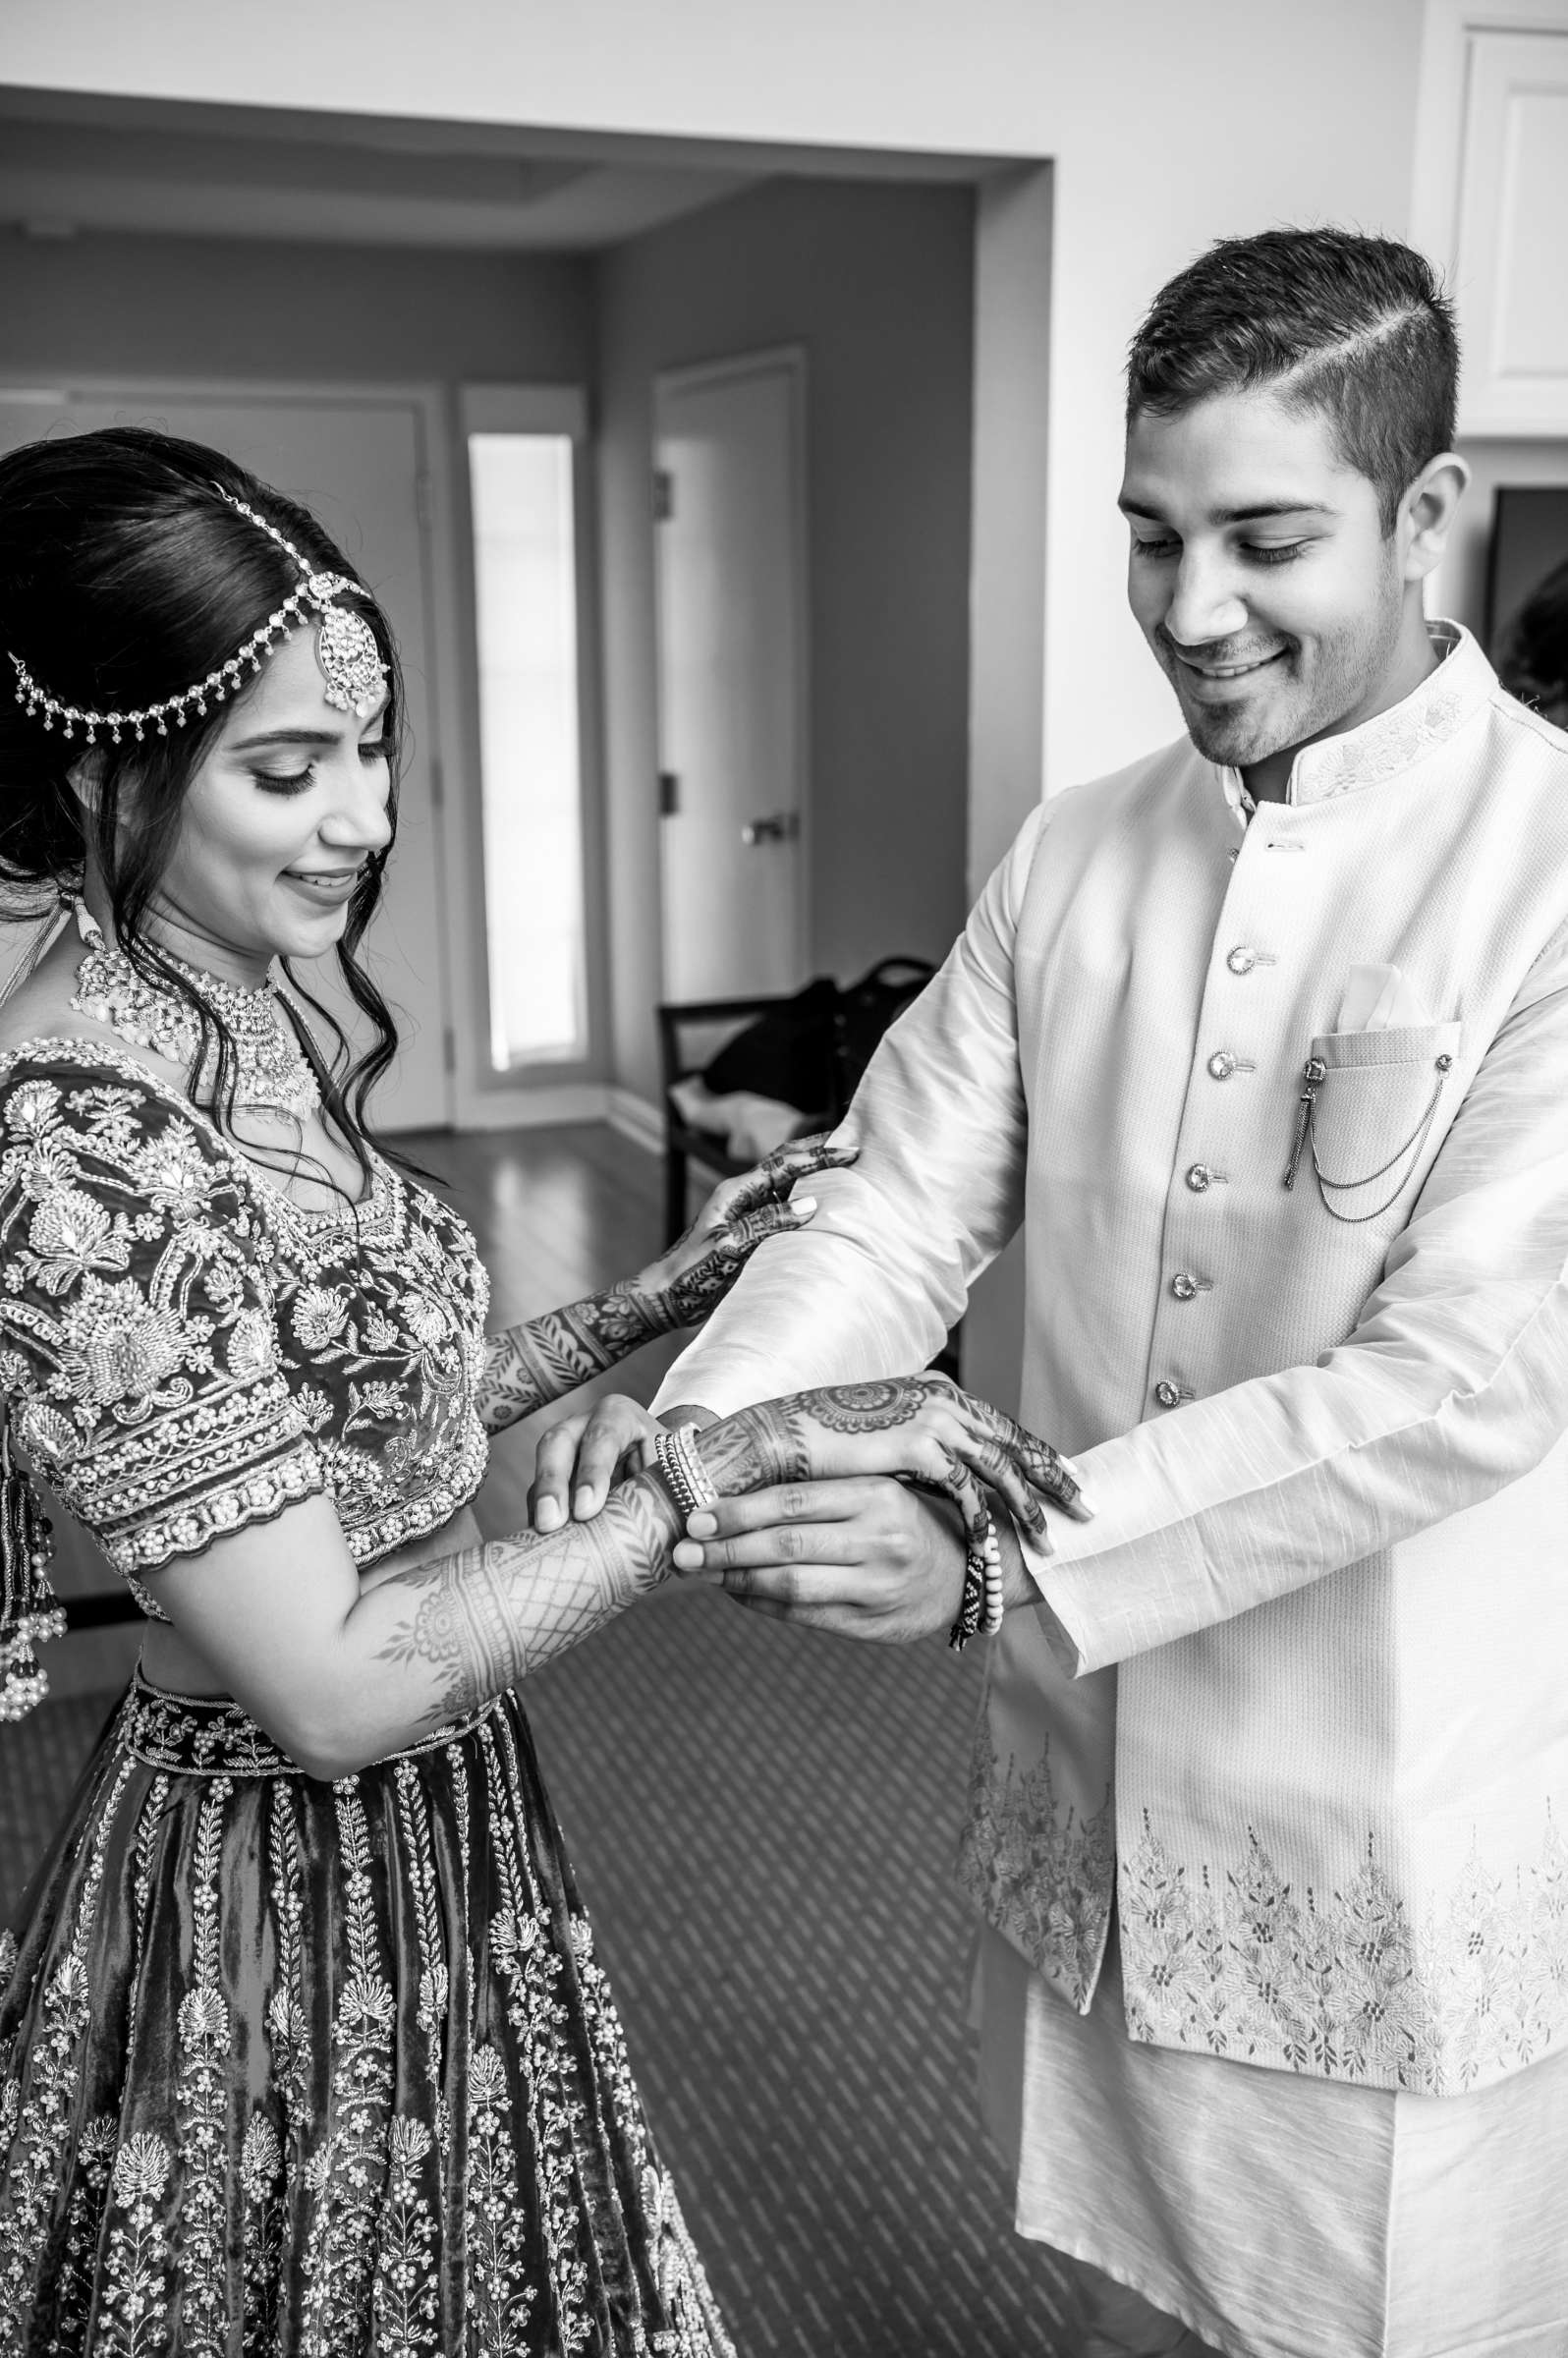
[[1297, 1696]]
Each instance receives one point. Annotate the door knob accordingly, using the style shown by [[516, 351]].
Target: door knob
[[780, 826]]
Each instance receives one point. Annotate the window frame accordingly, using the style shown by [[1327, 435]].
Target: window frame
[[555, 1088]]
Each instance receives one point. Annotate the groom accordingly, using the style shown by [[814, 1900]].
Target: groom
[[1264, 1041]]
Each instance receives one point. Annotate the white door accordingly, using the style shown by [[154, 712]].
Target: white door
[[357, 466], [728, 453]]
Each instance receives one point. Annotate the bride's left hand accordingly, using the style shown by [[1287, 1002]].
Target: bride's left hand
[[685, 1284], [580, 1458]]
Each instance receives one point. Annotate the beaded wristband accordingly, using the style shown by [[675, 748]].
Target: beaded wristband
[[995, 1602], [980, 1611]]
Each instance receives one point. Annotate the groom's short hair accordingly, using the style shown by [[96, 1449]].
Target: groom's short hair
[[1327, 319]]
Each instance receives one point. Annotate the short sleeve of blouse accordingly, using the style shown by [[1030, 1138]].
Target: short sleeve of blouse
[[138, 1345]]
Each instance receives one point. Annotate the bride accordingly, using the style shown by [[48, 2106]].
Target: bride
[[303, 2043]]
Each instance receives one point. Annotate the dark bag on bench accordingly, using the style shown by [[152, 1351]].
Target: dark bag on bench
[[811, 1050]]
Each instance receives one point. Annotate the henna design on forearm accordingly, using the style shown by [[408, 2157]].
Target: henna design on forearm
[[530, 1366], [690, 1299], [756, 1447], [478, 1622]]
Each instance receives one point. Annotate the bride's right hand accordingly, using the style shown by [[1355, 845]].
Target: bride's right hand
[[921, 1428]]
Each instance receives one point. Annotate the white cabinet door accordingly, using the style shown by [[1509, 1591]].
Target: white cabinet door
[[1511, 259]]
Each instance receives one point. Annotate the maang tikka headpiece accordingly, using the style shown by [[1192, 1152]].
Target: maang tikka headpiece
[[345, 648]]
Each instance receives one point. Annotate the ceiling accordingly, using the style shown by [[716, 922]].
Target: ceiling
[[70, 163]]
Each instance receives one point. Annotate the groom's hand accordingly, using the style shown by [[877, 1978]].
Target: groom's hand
[[868, 1557]]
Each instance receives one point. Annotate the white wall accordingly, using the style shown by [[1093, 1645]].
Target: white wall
[[246, 308], [876, 284], [1009, 503], [1169, 126]]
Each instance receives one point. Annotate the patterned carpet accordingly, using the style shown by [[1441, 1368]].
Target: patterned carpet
[[763, 1820]]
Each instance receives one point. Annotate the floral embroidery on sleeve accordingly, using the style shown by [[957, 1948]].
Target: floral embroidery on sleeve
[[137, 1343]]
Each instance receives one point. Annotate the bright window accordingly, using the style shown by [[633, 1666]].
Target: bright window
[[524, 557]]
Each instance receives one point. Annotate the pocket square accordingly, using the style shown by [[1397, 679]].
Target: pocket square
[[1378, 998]]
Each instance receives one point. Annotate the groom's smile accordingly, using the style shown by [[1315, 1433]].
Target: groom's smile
[[1261, 576]]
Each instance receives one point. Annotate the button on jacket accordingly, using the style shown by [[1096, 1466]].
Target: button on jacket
[[1298, 1693]]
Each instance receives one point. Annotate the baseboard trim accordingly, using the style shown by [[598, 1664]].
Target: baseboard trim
[[533, 1108], [634, 1118], [570, 1102]]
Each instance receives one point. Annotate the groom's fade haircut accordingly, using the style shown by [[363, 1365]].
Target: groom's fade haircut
[[1327, 319]]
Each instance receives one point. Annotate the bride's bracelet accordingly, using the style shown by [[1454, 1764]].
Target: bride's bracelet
[[685, 1475]]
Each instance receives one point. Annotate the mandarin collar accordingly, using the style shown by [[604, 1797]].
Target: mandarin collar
[[1392, 740]]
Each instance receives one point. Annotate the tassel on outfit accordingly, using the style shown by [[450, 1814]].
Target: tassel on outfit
[[29, 1610]]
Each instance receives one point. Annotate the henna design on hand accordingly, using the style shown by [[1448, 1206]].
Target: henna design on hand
[[534, 1364], [964, 1442], [921, 1429], [864, 1407], [737, 1217]]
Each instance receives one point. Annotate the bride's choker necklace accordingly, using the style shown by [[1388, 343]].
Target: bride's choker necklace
[[270, 1068]]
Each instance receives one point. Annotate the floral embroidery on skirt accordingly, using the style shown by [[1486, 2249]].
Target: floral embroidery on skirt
[[328, 2069]]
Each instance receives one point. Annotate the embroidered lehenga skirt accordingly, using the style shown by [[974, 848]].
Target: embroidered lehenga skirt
[[288, 2066]]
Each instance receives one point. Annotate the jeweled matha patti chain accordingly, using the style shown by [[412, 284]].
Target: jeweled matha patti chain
[[345, 648], [271, 1067]]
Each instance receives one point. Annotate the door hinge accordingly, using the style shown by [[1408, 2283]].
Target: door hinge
[[663, 495], [448, 1049], [669, 794]]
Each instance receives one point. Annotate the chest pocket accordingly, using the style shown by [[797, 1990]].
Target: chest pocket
[[1367, 1103]]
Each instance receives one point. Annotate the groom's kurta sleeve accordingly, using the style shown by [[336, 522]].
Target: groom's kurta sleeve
[[872, 1288]]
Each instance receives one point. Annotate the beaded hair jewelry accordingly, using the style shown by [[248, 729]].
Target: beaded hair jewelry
[[345, 648]]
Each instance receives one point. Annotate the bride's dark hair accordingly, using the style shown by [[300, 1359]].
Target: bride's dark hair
[[125, 577]]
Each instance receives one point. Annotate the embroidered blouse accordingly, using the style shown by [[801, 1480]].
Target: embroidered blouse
[[186, 1351]]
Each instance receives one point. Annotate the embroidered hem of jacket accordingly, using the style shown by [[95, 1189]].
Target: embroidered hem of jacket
[[1343, 1984], [1037, 1870], [1335, 1982]]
